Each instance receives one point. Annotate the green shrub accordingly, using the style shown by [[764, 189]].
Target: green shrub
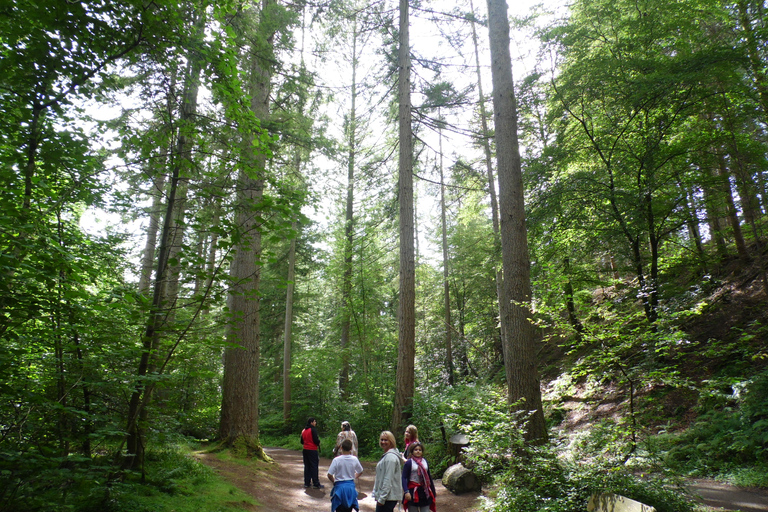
[[538, 480], [755, 476], [723, 439]]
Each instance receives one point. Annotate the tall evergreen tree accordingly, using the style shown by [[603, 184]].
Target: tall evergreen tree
[[521, 343], [240, 388], [406, 353]]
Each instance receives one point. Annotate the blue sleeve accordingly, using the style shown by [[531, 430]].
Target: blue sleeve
[[431, 482], [406, 475]]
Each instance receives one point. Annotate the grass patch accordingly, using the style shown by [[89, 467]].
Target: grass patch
[[215, 495], [756, 476], [252, 463], [174, 482], [292, 442]]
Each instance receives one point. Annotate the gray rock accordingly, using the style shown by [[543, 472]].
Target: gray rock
[[459, 479]]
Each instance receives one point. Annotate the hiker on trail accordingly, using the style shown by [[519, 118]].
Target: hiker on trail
[[386, 487], [311, 443], [346, 433], [418, 488], [342, 473], [411, 436]]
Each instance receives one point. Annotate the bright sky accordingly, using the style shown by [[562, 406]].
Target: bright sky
[[428, 43]]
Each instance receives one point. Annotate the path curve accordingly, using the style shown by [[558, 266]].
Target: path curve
[[279, 486], [723, 496]]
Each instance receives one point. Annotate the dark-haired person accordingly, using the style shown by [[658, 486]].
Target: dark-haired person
[[311, 443], [418, 486]]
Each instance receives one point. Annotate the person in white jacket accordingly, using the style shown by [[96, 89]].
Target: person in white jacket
[[387, 489]]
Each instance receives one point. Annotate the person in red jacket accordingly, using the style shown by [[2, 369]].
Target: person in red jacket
[[311, 443]]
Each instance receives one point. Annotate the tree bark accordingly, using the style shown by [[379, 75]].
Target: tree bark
[[520, 357], [142, 393], [485, 139], [289, 328], [210, 261], [446, 286], [730, 204], [156, 211], [407, 301], [346, 292], [240, 387]]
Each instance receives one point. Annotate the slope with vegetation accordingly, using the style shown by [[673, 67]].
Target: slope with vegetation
[[253, 148]]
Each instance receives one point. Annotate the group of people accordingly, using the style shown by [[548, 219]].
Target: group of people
[[410, 483]]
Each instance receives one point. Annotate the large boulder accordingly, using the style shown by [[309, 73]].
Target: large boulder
[[459, 479]]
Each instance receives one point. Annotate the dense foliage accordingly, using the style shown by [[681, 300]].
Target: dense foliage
[[643, 134]]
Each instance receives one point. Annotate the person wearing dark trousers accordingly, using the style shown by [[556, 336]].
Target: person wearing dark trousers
[[311, 443]]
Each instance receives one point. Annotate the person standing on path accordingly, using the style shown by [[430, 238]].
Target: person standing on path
[[387, 490], [311, 443], [346, 433], [418, 487], [342, 473], [411, 436]]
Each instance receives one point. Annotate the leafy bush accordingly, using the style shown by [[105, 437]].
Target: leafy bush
[[755, 476], [723, 439], [538, 480], [478, 410], [552, 478]]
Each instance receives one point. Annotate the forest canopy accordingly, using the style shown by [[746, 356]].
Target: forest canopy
[[221, 218]]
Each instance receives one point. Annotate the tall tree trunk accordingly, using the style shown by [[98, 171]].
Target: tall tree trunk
[[156, 211], [520, 357], [177, 237], [692, 222], [715, 211], [446, 286], [142, 393], [158, 179], [289, 293], [730, 204], [485, 139], [289, 328], [210, 263], [240, 387], [756, 64], [346, 288], [406, 353]]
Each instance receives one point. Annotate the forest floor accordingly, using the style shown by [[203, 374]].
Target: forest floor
[[279, 487]]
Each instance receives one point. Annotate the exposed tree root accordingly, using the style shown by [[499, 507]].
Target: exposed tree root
[[241, 447]]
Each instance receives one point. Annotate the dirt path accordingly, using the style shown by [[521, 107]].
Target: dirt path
[[722, 496], [280, 487]]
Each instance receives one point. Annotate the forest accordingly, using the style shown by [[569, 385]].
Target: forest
[[541, 226]]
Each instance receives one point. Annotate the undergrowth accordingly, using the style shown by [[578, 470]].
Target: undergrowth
[[527, 478], [729, 440], [173, 481]]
